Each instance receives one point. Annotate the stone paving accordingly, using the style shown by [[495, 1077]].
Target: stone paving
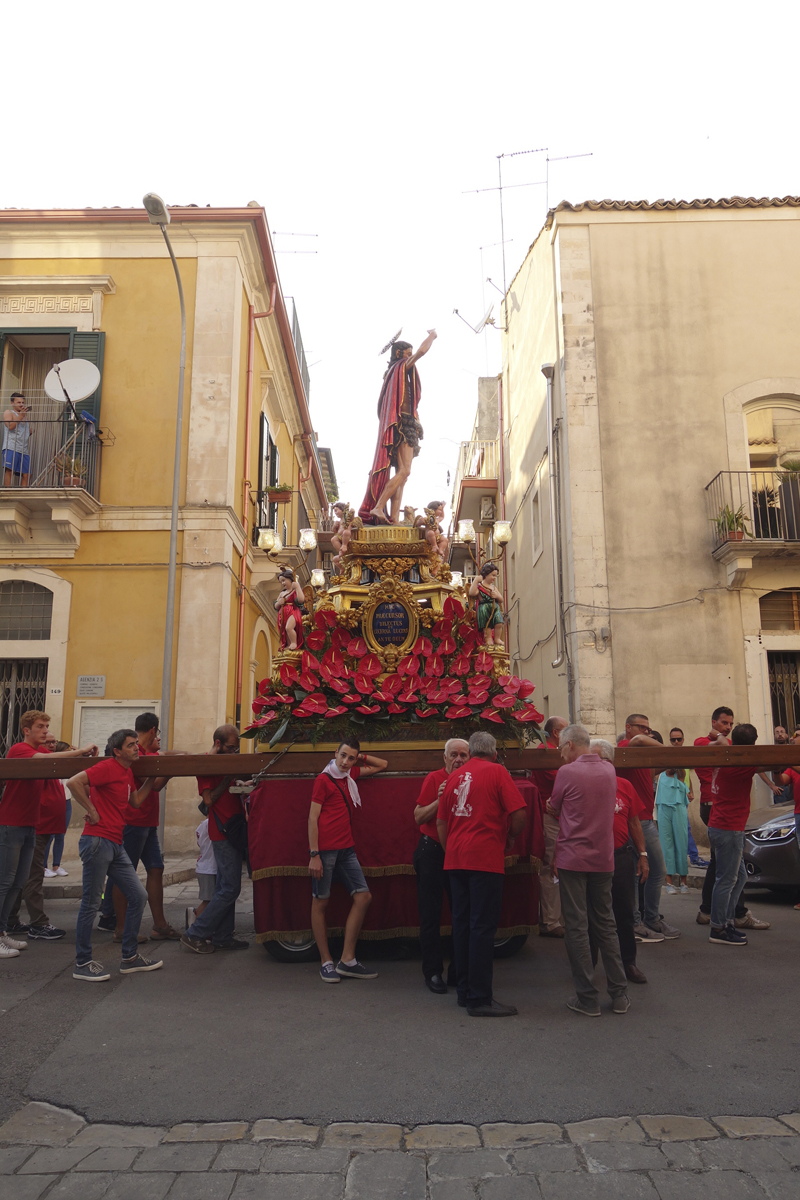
[[48, 1152]]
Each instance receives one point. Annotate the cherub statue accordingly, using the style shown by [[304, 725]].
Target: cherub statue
[[341, 539], [489, 610], [289, 606], [434, 535]]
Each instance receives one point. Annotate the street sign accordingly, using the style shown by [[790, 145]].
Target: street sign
[[91, 685]]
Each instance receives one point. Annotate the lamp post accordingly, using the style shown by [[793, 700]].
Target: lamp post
[[158, 214]]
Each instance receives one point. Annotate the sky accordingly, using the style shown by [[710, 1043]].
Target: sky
[[371, 126]]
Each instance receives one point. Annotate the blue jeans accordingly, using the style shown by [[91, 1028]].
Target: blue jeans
[[650, 892], [728, 847], [140, 843], [57, 841], [17, 843], [102, 858], [216, 921]]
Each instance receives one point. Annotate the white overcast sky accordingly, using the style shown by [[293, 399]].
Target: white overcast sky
[[365, 123]]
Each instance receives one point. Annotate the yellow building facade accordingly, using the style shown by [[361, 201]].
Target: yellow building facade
[[84, 546]]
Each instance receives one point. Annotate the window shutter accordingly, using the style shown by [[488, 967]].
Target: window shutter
[[2, 348], [90, 346]]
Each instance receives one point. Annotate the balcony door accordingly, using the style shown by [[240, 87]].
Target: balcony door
[[784, 673]]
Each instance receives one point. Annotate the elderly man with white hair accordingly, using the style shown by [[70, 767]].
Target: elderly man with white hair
[[432, 879], [583, 799]]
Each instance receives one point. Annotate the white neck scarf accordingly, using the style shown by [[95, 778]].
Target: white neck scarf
[[337, 773]]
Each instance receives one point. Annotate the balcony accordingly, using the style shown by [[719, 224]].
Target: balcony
[[753, 514], [476, 475]]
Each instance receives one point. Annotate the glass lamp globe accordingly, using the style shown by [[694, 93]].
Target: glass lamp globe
[[308, 539], [466, 530], [277, 544], [266, 539], [318, 578], [456, 579], [502, 532]]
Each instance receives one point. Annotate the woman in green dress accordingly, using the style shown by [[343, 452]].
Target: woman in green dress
[[489, 606]]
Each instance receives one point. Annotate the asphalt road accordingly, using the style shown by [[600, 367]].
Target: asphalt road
[[238, 1035]]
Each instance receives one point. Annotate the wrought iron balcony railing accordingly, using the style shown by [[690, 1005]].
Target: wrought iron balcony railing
[[760, 505], [59, 454]]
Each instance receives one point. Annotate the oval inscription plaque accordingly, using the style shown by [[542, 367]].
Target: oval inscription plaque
[[390, 623]]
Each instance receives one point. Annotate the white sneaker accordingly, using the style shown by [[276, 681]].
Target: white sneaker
[[670, 890], [685, 890], [48, 874], [12, 943], [6, 951], [60, 871]]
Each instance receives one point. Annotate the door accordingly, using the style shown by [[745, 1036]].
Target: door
[[784, 672], [23, 686]]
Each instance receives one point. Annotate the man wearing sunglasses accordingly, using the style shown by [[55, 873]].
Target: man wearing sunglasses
[[650, 925]]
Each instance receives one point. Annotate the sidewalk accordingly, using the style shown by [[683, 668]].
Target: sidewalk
[[53, 1152], [178, 868]]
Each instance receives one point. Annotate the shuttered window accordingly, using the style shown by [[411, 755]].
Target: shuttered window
[[26, 611], [90, 346], [781, 610]]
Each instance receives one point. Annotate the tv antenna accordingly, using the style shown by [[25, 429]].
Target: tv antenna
[[488, 319], [279, 233]]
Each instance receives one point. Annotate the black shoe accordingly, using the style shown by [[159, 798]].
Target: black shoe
[[462, 1002], [493, 1009], [233, 944], [17, 927], [727, 936], [109, 924], [633, 973], [47, 933], [436, 985]]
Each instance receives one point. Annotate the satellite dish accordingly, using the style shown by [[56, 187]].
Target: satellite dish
[[72, 380], [487, 319]]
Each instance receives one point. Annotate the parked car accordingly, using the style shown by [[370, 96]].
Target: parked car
[[772, 853]]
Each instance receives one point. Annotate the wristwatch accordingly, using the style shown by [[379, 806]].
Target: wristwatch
[[642, 854], [313, 853]]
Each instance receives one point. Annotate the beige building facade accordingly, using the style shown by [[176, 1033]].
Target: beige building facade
[[655, 493]]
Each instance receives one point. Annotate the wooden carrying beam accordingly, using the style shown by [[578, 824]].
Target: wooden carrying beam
[[766, 758]]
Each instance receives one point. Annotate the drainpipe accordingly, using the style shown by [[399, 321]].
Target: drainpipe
[[548, 372], [502, 482], [248, 414]]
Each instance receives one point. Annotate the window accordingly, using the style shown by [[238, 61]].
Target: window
[[26, 611], [536, 526], [781, 610], [268, 467], [773, 432], [23, 686]]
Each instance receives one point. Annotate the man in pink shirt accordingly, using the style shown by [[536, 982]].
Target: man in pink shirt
[[583, 800]]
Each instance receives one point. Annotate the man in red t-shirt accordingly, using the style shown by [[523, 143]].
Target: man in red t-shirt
[[432, 880], [213, 929], [332, 855], [105, 792], [650, 925], [19, 814], [790, 776], [551, 923], [481, 813], [52, 823]]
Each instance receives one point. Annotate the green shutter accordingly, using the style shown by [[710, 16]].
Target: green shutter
[[2, 347], [90, 346]]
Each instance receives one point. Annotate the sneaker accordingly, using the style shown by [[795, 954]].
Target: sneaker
[[188, 917], [60, 871], [12, 943], [729, 936], [17, 927], [327, 973], [130, 966], [357, 971], [670, 889], [620, 1004], [109, 924], [7, 951], [703, 918], [748, 921], [575, 1005], [669, 931], [197, 944], [45, 933], [645, 935], [48, 874], [685, 889], [92, 972], [700, 862]]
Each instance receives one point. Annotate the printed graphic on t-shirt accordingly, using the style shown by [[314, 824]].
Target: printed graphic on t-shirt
[[461, 808]]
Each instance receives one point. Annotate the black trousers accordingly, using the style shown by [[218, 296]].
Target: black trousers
[[711, 876], [432, 884], [476, 897], [623, 895]]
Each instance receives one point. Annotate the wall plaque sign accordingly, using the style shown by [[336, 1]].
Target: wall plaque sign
[[390, 623], [91, 685]]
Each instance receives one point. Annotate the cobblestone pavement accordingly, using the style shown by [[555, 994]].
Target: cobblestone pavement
[[53, 1153]]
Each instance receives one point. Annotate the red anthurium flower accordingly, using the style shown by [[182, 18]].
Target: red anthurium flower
[[434, 667], [528, 713], [458, 698], [338, 685], [260, 705], [480, 681], [308, 682], [315, 640], [325, 618], [491, 715], [302, 711], [368, 710], [371, 666], [509, 682], [264, 686], [460, 666], [364, 684], [334, 661], [458, 710], [436, 697], [453, 608], [310, 662], [422, 713], [357, 647], [317, 703], [422, 645], [395, 708], [282, 699], [326, 674], [408, 665], [384, 697], [288, 674], [502, 700], [392, 684], [350, 698], [452, 685], [336, 712], [526, 688], [265, 720], [477, 697], [446, 646], [340, 639], [442, 629], [483, 661]]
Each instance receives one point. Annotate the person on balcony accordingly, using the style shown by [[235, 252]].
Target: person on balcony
[[17, 436], [289, 605], [489, 611]]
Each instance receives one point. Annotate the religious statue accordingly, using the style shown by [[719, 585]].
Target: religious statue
[[409, 515], [434, 534], [343, 531], [399, 432], [289, 606], [489, 609]]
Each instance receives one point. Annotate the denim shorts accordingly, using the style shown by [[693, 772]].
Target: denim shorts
[[141, 845], [341, 865]]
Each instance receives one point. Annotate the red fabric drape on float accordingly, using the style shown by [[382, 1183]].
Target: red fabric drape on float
[[385, 837], [390, 403]]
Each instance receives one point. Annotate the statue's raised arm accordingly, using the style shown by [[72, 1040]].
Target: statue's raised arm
[[399, 433]]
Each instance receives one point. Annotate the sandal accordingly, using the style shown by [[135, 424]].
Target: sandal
[[167, 934]]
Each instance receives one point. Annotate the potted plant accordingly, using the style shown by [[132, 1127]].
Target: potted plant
[[72, 470], [279, 493], [732, 524]]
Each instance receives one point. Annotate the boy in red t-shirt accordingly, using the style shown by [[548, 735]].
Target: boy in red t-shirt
[[113, 787], [19, 814], [332, 855]]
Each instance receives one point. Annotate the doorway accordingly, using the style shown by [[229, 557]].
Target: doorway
[[23, 686], [784, 671]]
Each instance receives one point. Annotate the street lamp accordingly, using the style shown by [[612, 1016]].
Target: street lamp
[[158, 215]]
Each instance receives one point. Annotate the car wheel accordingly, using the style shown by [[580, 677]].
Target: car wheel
[[509, 946], [302, 950]]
